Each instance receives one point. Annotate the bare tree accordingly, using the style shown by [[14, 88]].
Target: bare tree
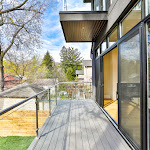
[[18, 62], [20, 26]]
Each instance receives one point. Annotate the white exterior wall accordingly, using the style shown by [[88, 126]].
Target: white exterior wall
[[87, 74]]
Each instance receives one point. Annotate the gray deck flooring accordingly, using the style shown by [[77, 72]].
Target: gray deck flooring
[[78, 125]]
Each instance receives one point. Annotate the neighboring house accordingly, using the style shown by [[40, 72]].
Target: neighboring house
[[45, 83], [119, 33], [10, 81], [87, 67], [80, 75], [85, 74], [18, 93], [23, 116]]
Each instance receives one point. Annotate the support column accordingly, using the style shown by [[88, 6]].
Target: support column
[[93, 72], [92, 5]]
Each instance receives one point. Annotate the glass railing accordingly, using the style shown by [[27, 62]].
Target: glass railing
[[74, 90], [76, 6], [99, 5], [25, 118]]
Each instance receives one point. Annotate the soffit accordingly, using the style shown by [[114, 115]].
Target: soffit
[[82, 26]]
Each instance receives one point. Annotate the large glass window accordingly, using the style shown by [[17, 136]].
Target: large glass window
[[110, 2], [131, 19], [97, 52], [148, 6], [99, 5], [148, 44], [103, 45], [129, 87], [113, 37]]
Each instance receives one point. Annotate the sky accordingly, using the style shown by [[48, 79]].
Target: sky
[[52, 35]]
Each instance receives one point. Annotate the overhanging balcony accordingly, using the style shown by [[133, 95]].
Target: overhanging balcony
[[82, 26], [87, 1]]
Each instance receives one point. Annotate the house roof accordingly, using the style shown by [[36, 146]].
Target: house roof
[[8, 77], [79, 72], [87, 63], [45, 82], [21, 91]]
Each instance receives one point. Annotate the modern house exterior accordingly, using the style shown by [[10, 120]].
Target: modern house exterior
[[120, 34]]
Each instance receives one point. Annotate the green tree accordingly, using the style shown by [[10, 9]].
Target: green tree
[[48, 63], [70, 58], [70, 74]]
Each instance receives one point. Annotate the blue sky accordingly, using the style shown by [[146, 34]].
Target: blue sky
[[52, 35]]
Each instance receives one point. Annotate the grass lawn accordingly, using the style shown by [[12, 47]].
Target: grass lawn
[[15, 142]]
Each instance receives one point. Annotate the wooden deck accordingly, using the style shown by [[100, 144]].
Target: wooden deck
[[78, 125]]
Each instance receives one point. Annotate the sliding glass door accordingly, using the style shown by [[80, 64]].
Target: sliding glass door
[[148, 77], [129, 87]]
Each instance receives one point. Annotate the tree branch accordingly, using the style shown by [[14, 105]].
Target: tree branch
[[12, 9], [29, 10], [12, 41], [14, 36]]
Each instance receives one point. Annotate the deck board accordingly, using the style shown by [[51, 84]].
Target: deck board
[[78, 125]]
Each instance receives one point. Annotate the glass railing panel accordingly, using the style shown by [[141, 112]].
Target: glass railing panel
[[99, 5], [43, 106], [76, 6], [18, 125], [74, 91]]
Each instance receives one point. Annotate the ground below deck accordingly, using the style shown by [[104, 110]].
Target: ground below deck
[[78, 125]]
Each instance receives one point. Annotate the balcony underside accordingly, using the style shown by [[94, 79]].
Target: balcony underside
[[82, 26], [87, 1], [78, 125]]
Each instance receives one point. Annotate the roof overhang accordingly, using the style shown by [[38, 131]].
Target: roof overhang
[[86, 1], [83, 26]]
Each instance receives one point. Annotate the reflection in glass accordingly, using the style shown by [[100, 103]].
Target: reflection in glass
[[148, 34], [113, 37], [131, 19], [103, 45], [148, 6], [99, 5], [98, 52], [129, 87]]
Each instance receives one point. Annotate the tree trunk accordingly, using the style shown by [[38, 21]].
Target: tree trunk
[[1, 75], [1, 72]]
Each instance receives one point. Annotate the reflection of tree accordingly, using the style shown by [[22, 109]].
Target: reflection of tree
[[130, 70]]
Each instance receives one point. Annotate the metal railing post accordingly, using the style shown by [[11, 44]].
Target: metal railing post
[[56, 93], [49, 99], [75, 92], [37, 127]]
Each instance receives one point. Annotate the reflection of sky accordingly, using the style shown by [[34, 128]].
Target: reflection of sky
[[103, 46], [130, 49], [111, 43], [149, 42], [138, 6]]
